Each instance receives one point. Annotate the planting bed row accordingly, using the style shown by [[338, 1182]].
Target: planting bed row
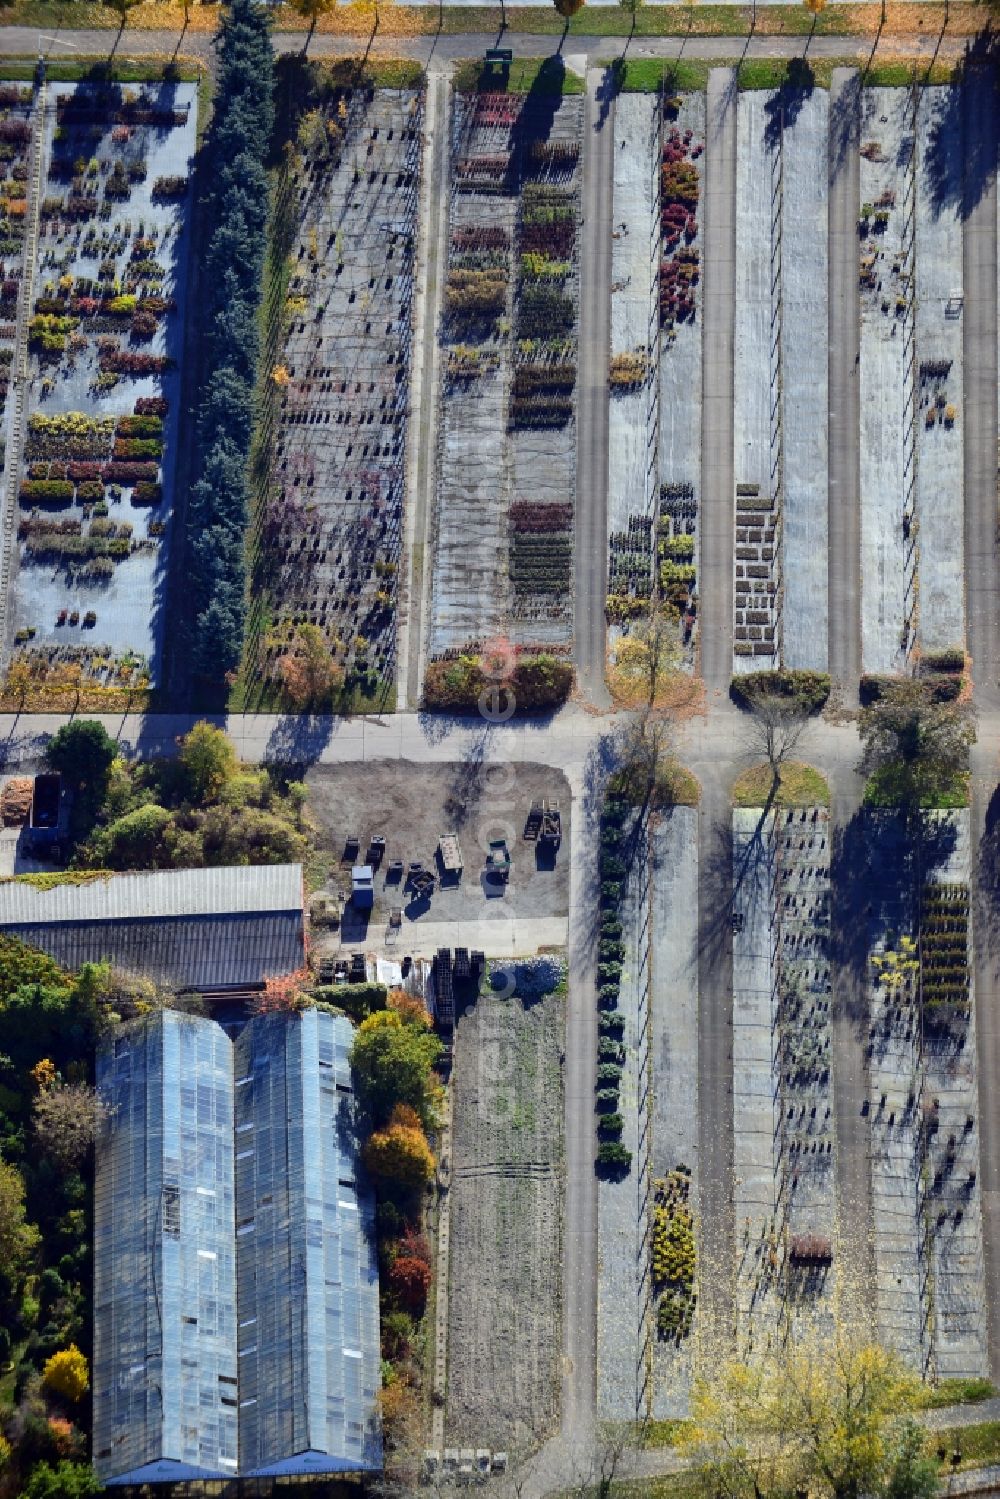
[[655, 376], [780, 381], [507, 458], [331, 509], [682, 149], [923, 1112], [18, 123], [104, 338], [782, 1092], [647, 1110], [674, 1122], [624, 1309]]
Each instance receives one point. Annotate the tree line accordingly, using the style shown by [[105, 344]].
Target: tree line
[[236, 207]]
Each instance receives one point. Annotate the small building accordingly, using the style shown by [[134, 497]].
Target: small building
[[204, 929]]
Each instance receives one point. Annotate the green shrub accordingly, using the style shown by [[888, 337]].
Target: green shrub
[[609, 950], [806, 691], [609, 1049], [607, 996], [46, 492], [610, 1124], [607, 1098], [611, 1025], [609, 973], [535, 684], [609, 1072], [356, 1000], [952, 659], [614, 1154]]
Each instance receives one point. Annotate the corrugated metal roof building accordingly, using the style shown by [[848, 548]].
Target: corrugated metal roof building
[[309, 1357], [222, 928], [236, 1324], [165, 1404]]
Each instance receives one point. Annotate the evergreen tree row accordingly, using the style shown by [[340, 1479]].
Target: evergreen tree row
[[233, 263]]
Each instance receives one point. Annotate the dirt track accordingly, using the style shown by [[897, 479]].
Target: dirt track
[[506, 1224]]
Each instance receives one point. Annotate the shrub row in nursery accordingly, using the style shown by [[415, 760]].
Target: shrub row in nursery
[[806, 691], [232, 272], [612, 1156], [941, 686], [536, 683]]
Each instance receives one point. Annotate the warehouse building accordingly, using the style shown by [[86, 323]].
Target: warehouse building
[[204, 929], [236, 1322]]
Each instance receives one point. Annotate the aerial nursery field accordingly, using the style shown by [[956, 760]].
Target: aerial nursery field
[[90, 464], [329, 478], [655, 381], [507, 447]]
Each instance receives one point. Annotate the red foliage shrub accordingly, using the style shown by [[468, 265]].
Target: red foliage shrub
[[410, 1281], [151, 406]]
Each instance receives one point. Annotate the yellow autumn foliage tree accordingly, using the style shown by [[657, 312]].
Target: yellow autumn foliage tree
[[400, 1152], [67, 1373], [831, 1417]]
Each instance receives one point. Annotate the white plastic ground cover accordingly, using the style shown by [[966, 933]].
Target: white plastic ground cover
[[886, 382], [940, 318], [780, 419]]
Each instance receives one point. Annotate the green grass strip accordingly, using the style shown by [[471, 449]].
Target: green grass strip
[[99, 70], [541, 75], [800, 786]]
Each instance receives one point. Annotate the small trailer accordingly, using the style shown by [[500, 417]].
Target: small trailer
[[533, 825], [450, 854], [498, 860], [363, 887], [551, 829]]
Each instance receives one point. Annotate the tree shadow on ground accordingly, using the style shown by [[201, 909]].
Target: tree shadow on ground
[[466, 785], [987, 874], [845, 123], [879, 863], [961, 158], [784, 105], [538, 112], [610, 86], [299, 739]]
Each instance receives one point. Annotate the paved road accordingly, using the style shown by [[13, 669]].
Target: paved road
[[716, 587], [423, 441], [590, 562], [983, 603], [845, 342], [717, 1308], [438, 51], [855, 1210]]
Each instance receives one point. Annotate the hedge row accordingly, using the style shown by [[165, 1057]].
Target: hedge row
[[612, 1155], [461, 685], [804, 690]]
